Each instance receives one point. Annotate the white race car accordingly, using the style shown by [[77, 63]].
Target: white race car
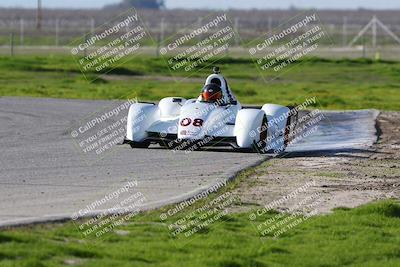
[[215, 118]]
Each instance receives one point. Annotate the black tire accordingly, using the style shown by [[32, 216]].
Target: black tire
[[287, 132], [262, 144], [134, 144], [291, 124]]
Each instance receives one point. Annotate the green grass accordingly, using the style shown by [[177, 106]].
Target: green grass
[[337, 84], [365, 236]]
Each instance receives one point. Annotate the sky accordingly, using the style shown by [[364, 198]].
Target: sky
[[218, 4]]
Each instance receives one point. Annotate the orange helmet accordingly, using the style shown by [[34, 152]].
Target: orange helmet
[[211, 93]]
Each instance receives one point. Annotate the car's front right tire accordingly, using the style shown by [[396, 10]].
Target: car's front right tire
[[262, 143]]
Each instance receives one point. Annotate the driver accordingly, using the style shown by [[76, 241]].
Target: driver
[[211, 93]]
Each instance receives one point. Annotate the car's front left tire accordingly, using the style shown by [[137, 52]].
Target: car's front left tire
[[134, 144]]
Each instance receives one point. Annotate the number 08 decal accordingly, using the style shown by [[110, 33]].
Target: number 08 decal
[[196, 122]]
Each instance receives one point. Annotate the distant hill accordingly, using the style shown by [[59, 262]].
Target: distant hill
[[150, 4]]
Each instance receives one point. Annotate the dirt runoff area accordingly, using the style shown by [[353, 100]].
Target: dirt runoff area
[[318, 182]]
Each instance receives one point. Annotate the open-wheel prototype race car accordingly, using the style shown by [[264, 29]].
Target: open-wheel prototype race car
[[215, 118]]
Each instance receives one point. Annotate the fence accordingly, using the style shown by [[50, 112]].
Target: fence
[[60, 27]]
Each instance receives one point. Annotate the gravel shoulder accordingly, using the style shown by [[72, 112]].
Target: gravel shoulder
[[329, 179]]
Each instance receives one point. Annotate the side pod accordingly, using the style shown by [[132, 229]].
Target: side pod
[[247, 127], [140, 117]]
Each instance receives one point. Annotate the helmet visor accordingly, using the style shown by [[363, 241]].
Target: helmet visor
[[211, 93]]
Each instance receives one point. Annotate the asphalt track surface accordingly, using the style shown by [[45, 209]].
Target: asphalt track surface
[[43, 176]]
